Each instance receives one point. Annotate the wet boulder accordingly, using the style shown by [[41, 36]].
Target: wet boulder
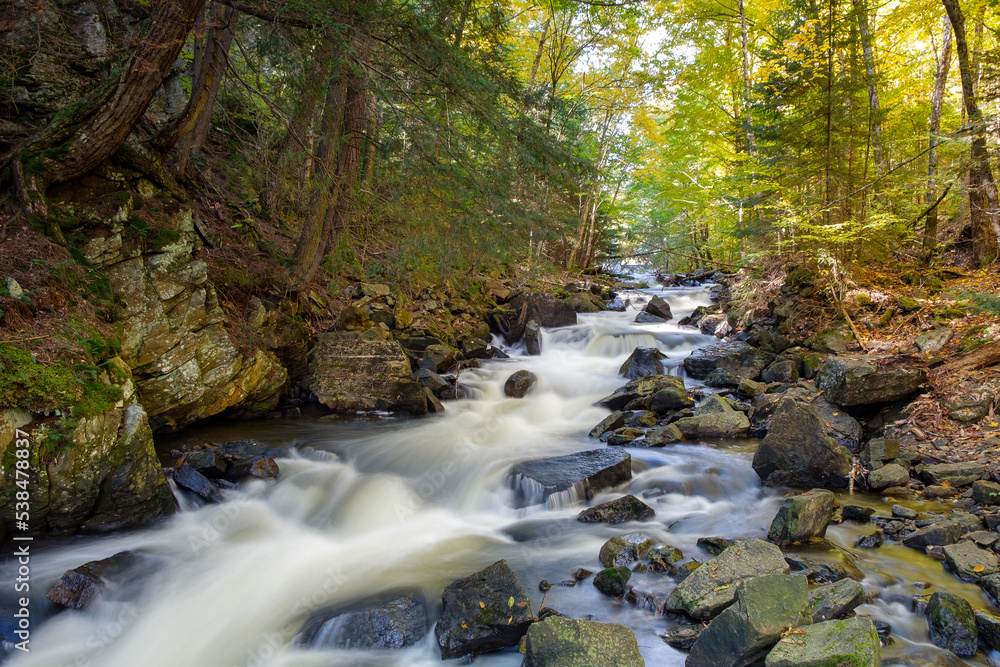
[[702, 361], [798, 452], [625, 436], [888, 476], [532, 338], [187, 478], [569, 642], [659, 393], [988, 628], [79, 587], [835, 600], [712, 587], [519, 383], [613, 421], [857, 513], [613, 581], [208, 462], [625, 549], [394, 624], [877, 451], [258, 467], [657, 307], [956, 474], [660, 437], [719, 378], [545, 309], [986, 493], [764, 608], [784, 371], [579, 474], [730, 424], [620, 510], [642, 317], [936, 534], [853, 641], [431, 380], [802, 517], [642, 362], [863, 380], [969, 562], [349, 373], [439, 358], [952, 624], [478, 614]]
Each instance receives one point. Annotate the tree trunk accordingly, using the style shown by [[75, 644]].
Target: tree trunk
[[827, 194], [874, 111], [538, 53], [94, 134], [460, 28], [940, 82], [983, 208]]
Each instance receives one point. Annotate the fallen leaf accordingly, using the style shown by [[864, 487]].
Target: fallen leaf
[[979, 568], [482, 605], [510, 602]]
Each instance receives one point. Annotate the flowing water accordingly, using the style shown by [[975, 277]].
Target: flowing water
[[367, 509]]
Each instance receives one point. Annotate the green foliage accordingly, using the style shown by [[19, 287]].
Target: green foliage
[[981, 302], [81, 388]]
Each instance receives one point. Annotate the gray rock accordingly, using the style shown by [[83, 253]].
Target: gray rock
[[431, 380], [620, 510], [952, 624], [669, 388], [798, 452], [207, 462], [348, 373], [714, 425], [956, 474], [584, 473], [711, 588], [258, 467], [783, 371], [659, 308], [991, 584], [711, 404], [887, 476], [970, 402], [545, 309], [613, 421], [988, 628], [836, 600], [970, 562], [613, 581], [394, 624], [853, 641], [879, 450], [744, 633], [936, 534], [934, 340], [191, 480], [571, 642], [833, 340], [624, 436], [863, 380], [478, 616], [625, 549], [701, 362], [802, 517], [519, 383], [79, 587], [645, 318], [721, 378], [857, 513], [926, 658], [667, 435], [642, 362], [986, 493], [533, 338], [903, 512]]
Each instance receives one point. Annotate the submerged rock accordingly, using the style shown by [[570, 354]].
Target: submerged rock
[[519, 383], [798, 452], [853, 642], [79, 587], [478, 615], [582, 474], [952, 624], [862, 380], [613, 581], [620, 510], [394, 624], [802, 517], [625, 549], [189, 479], [712, 587], [571, 642]]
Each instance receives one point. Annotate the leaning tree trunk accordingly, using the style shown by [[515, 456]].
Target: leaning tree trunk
[[983, 206], [80, 142], [874, 110], [940, 82]]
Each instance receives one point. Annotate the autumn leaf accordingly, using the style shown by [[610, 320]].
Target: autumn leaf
[[482, 605], [979, 568], [464, 625]]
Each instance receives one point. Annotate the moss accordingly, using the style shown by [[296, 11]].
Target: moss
[[80, 389]]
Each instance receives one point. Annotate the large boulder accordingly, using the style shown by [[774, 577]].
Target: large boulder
[[802, 517], [394, 624], [888, 476], [620, 510], [712, 587], [659, 393], [545, 309], [486, 611], [952, 624], [969, 562], [714, 425], [835, 600], [79, 587], [736, 358], [798, 452], [570, 642], [955, 474], [580, 474], [657, 307], [642, 362], [350, 373], [853, 641], [744, 633], [519, 383], [863, 380]]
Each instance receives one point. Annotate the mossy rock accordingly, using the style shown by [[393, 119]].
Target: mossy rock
[[568, 642]]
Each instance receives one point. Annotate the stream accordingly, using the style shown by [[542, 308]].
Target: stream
[[372, 507]]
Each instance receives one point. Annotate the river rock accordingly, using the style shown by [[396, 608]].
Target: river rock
[[258, 467], [348, 373], [613, 421], [545, 309], [711, 404], [742, 635], [988, 628], [711, 588], [986, 493], [431, 380], [798, 452], [853, 641], [582, 473], [659, 308], [660, 437], [613, 581], [624, 436], [189, 479], [625, 549], [835, 600], [877, 451], [863, 380], [478, 616], [951, 623], [834, 340], [394, 624], [532, 338], [887, 476], [969, 562], [207, 462], [956, 474], [79, 587], [642, 362], [519, 383], [620, 510], [936, 534], [714, 425], [991, 584], [642, 317], [702, 361], [784, 371], [439, 358], [571, 642], [665, 392], [926, 658], [857, 513], [802, 517], [934, 340], [745, 362], [970, 402]]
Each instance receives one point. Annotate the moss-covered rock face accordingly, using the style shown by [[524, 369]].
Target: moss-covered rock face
[[802, 517], [568, 642], [99, 472], [952, 624], [850, 643]]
